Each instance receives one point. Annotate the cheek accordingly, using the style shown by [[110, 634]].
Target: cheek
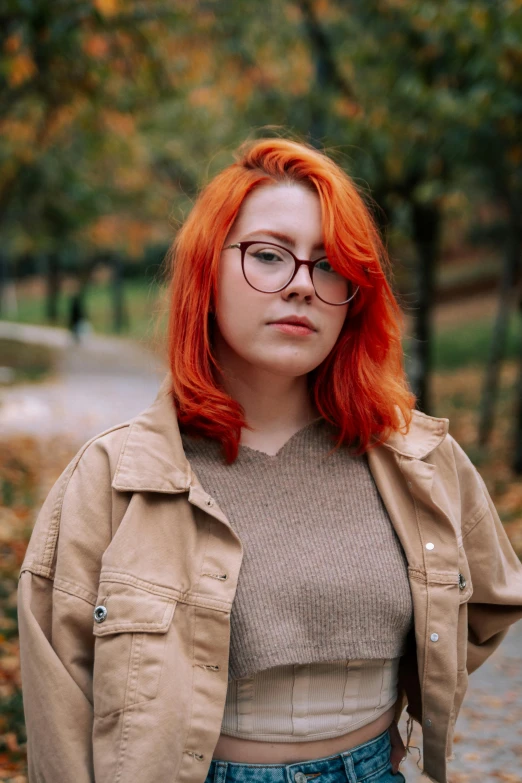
[[334, 325], [229, 291], [239, 308]]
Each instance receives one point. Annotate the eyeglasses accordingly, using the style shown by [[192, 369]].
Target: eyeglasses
[[270, 268]]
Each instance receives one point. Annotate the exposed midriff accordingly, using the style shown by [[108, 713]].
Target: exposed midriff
[[245, 751]]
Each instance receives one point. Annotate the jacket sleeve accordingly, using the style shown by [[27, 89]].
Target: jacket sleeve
[[58, 710], [57, 592], [496, 571]]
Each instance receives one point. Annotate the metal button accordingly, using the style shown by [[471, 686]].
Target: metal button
[[462, 582], [430, 546], [427, 722], [100, 613], [300, 777], [434, 637]]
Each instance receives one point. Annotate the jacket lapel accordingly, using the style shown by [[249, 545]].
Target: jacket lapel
[[416, 495]]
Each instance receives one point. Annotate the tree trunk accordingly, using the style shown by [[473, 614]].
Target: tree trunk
[[328, 77], [517, 455], [320, 86], [4, 278], [53, 286], [500, 329], [426, 232], [120, 320]]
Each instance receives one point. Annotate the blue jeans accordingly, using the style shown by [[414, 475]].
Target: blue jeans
[[369, 762]]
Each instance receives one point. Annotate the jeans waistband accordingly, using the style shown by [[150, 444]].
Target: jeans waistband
[[359, 763]]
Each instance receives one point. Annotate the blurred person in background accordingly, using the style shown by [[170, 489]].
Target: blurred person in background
[[254, 577], [78, 323]]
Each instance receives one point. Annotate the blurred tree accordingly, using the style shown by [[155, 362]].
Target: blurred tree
[[489, 78], [73, 77]]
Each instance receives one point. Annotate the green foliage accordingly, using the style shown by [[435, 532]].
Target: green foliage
[[142, 300], [30, 362], [469, 344]]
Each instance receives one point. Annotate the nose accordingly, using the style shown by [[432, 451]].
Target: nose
[[302, 282]]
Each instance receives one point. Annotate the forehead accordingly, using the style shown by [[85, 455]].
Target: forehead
[[283, 207]]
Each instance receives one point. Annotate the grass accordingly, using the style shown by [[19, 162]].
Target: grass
[[469, 343], [141, 302], [30, 363]]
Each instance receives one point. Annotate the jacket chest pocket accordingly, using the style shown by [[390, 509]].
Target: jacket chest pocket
[[130, 625]]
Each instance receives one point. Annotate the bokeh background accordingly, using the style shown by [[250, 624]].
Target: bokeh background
[[113, 114]]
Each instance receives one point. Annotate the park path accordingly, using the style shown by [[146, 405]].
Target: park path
[[99, 382], [104, 381]]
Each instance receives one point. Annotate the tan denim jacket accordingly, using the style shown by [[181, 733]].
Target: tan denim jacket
[[134, 690]]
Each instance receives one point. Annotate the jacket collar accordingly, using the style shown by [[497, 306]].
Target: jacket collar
[[425, 434], [153, 459]]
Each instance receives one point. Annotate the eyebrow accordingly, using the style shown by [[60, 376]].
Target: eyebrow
[[282, 238]]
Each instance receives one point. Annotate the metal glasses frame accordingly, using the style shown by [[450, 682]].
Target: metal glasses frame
[[243, 246]]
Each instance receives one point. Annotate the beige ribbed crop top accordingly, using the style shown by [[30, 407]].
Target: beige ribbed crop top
[[309, 701], [323, 604]]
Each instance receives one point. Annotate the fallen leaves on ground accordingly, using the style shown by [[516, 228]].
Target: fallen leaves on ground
[[28, 469]]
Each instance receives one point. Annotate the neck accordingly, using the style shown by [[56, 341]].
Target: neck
[[273, 404]]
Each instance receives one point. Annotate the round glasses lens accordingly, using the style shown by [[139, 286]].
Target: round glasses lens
[[330, 285], [268, 268]]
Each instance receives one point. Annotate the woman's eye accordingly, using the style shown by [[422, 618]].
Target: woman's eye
[[267, 256], [325, 266]]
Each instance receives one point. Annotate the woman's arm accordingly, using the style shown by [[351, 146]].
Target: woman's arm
[[496, 571], [496, 574], [57, 592], [56, 678]]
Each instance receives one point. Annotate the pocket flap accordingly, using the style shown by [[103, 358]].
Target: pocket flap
[[123, 607]]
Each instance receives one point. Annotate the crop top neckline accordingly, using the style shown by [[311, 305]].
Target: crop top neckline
[[264, 455]]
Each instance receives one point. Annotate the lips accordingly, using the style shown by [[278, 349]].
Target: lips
[[296, 321]]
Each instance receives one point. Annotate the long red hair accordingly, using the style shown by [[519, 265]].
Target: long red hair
[[361, 387]]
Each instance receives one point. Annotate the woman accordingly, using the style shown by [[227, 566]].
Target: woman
[[252, 578]]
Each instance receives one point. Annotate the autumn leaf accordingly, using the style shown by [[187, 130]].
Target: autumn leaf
[[107, 7], [21, 69]]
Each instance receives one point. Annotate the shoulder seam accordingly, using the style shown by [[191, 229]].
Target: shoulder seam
[[52, 534]]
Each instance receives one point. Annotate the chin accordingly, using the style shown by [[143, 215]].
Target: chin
[[288, 368]]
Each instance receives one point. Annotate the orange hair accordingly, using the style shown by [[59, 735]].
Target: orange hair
[[361, 387]]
